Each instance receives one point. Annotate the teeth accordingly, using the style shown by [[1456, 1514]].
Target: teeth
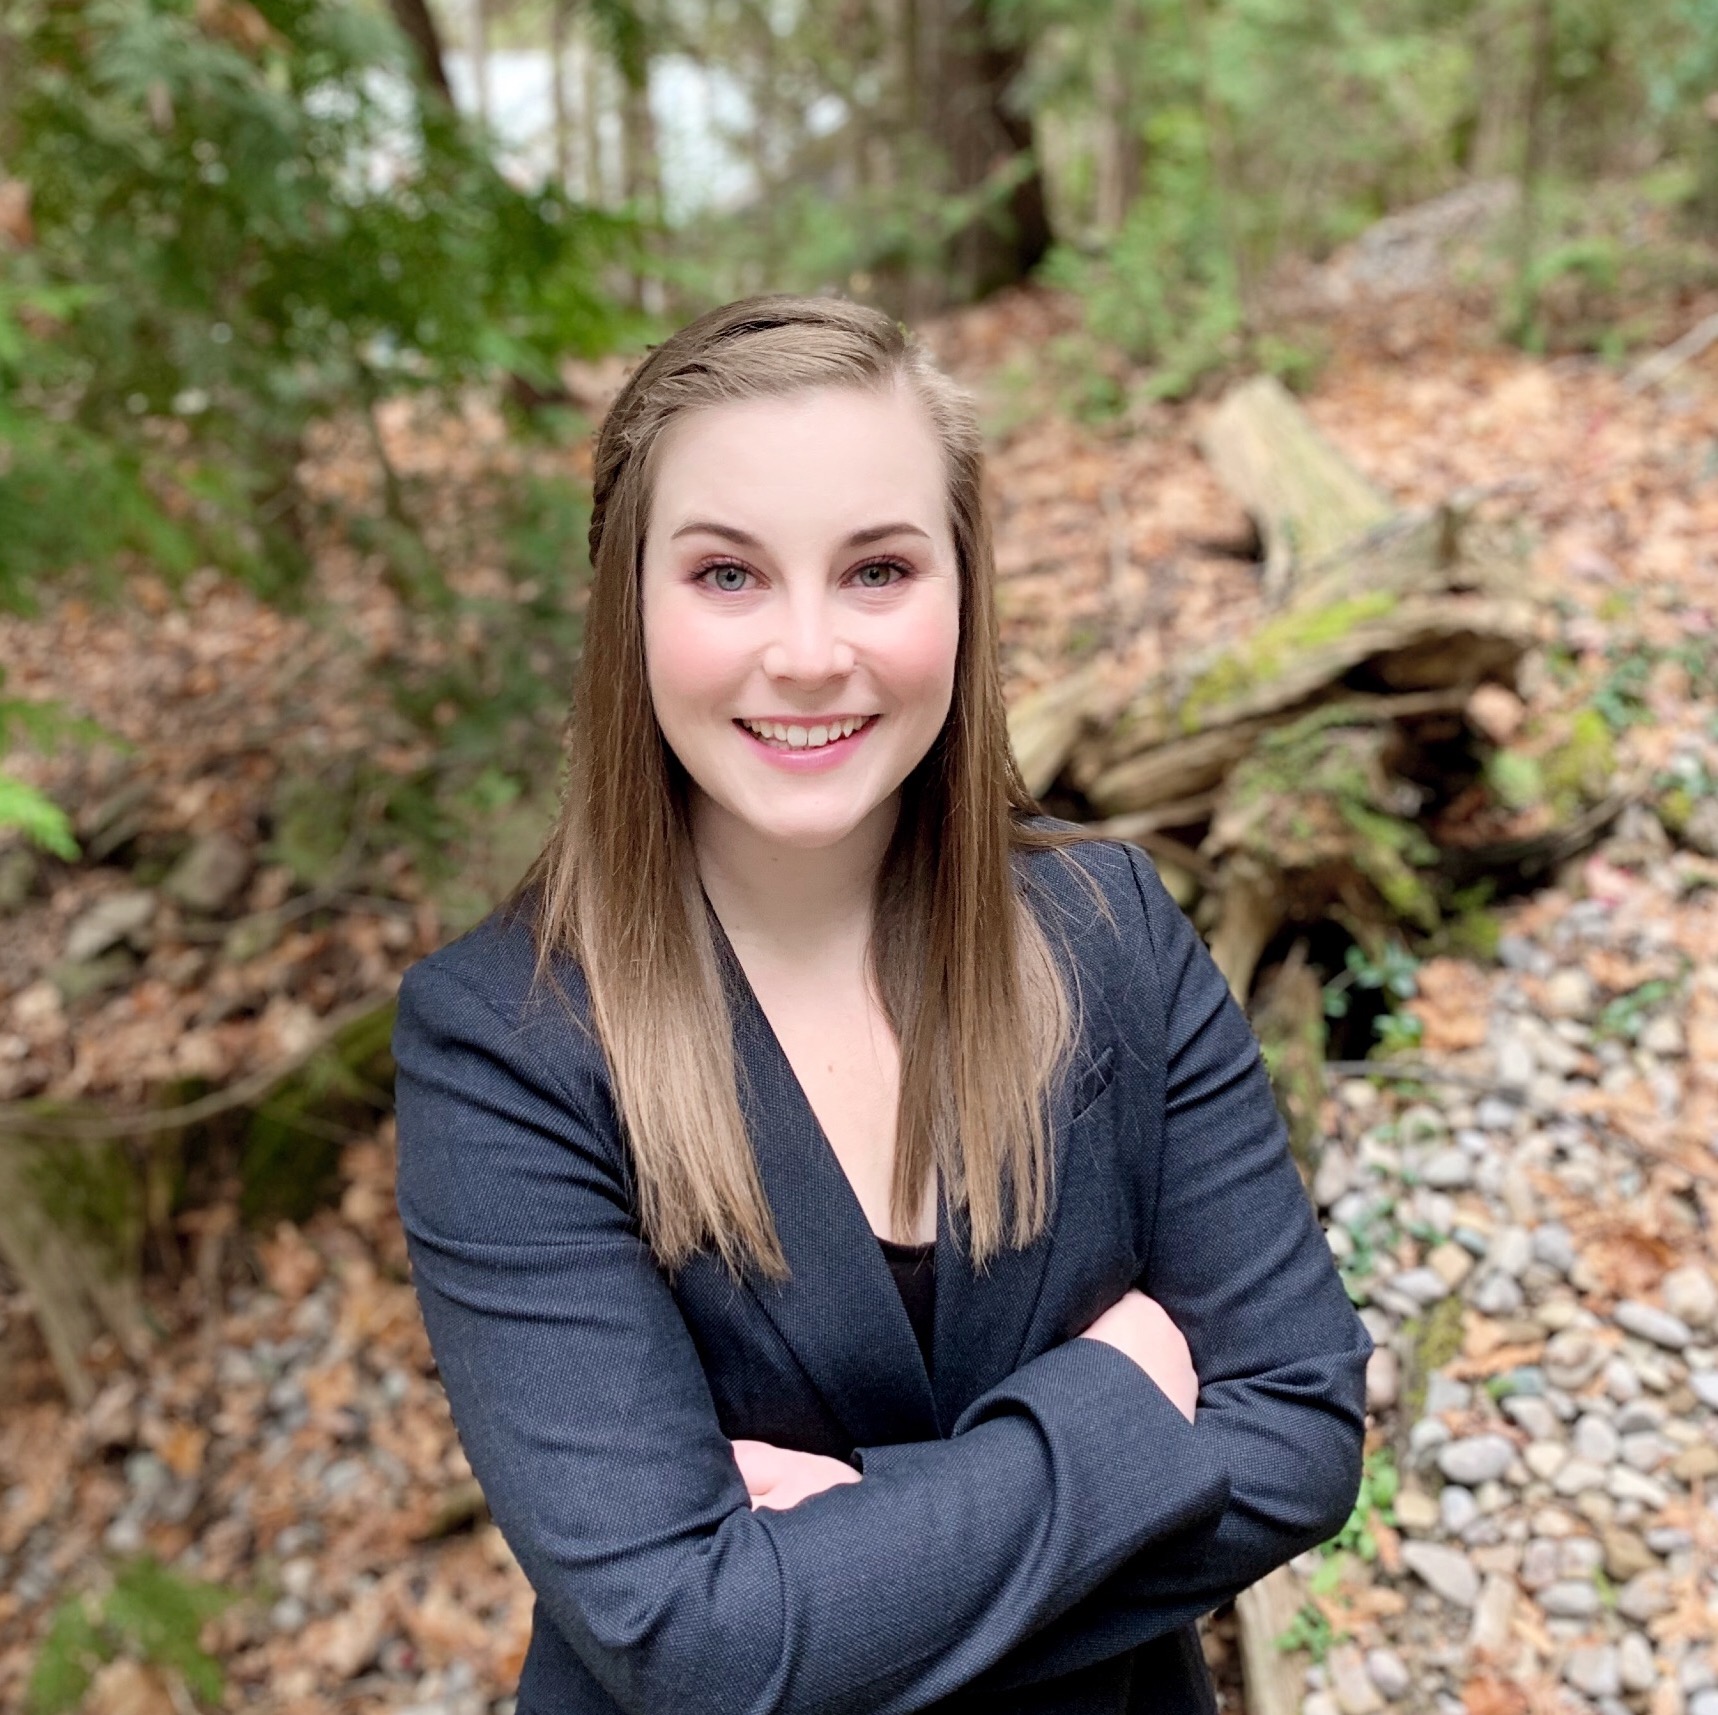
[[805, 738]]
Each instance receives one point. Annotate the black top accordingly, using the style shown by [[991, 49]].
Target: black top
[[915, 1270]]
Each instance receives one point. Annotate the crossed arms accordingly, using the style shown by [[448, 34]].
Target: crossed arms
[[1072, 1513]]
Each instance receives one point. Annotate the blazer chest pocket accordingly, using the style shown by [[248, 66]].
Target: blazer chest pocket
[[1088, 1084], [1101, 1199]]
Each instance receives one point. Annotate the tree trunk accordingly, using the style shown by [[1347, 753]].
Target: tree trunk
[[560, 14], [643, 177], [979, 134], [1121, 157], [480, 56], [595, 155], [1524, 310], [417, 25]]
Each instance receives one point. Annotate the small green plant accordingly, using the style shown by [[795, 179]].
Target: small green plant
[[1620, 696], [1379, 1485], [1309, 1630], [1626, 1016], [1393, 970], [1374, 1233], [149, 1612], [35, 815]]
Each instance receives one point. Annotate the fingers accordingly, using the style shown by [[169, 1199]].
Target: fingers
[[779, 1477]]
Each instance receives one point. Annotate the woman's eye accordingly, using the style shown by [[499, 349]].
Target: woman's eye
[[888, 571], [727, 576]]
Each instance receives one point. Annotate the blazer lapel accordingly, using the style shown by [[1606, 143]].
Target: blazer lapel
[[982, 1320], [839, 1311]]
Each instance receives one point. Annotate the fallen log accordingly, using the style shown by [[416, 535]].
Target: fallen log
[[1284, 770], [1305, 498], [81, 1185]]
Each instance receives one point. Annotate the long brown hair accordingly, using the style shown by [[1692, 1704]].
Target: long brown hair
[[977, 1002]]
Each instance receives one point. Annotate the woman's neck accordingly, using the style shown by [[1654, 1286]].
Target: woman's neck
[[786, 903]]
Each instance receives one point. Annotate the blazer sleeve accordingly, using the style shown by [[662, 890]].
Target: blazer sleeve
[[1240, 1263], [584, 1411]]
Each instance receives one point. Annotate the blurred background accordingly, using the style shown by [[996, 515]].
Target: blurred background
[[1350, 375]]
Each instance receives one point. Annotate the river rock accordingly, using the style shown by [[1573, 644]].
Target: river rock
[[1545, 1459], [1626, 1555], [1416, 1511], [1389, 1673], [1593, 1670], [1383, 1379], [1690, 1295], [1578, 1476], [208, 877], [1572, 1358], [1476, 1459], [1648, 1322], [112, 919], [1570, 1599], [1457, 1508], [1493, 1614], [1355, 1692], [1569, 993], [1531, 1413], [1498, 1294], [1334, 1178], [1645, 1597], [1553, 1246], [1594, 1439], [1448, 1170], [1635, 1665], [1445, 1570]]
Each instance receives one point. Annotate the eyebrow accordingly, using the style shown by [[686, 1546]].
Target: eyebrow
[[744, 539]]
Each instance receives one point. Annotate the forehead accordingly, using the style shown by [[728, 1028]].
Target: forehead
[[834, 457]]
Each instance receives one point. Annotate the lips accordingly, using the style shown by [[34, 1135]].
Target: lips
[[806, 736]]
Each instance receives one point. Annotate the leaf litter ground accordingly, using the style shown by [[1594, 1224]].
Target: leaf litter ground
[[290, 1441]]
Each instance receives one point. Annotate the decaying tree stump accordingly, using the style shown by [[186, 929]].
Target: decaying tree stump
[[1285, 770]]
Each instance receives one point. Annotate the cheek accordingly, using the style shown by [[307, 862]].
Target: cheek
[[923, 647], [684, 653]]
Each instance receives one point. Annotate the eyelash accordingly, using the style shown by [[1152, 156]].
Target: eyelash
[[901, 566]]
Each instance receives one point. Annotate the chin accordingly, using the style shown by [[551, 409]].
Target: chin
[[807, 829]]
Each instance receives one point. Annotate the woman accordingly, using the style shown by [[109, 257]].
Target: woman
[[804, 992]]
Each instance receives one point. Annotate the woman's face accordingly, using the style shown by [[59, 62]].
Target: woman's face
[[801, 605]]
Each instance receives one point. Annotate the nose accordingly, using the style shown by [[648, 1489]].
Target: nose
[[808, 646]]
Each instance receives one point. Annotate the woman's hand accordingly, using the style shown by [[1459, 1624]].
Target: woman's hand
[[1140, 1327], [780, 1477]]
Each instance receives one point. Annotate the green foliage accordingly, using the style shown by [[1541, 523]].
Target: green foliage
[[36, 816], [1516, 781], [1373, 1236], [1379, 1486], [1393, 971], [1628, 1014], [1580, 769], [149, 1612], [1234, 111], [1309, 1630], [1165, 290], [239, 233], [1394, 975]]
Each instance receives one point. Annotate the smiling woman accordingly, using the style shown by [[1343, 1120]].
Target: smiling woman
[[850, 1214]]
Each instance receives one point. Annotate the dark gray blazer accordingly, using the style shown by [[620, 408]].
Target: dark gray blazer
[[1038, 1528]]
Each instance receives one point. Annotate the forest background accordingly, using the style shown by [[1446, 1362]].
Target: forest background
[[307, 308]]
